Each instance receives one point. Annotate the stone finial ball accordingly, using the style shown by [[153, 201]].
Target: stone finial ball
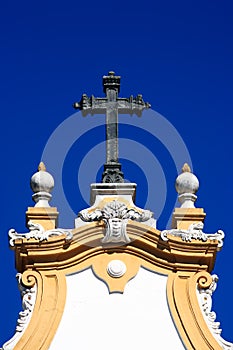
[[42, 181], [187, 182]]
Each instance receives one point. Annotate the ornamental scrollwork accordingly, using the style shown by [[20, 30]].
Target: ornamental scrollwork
[[28, 301], [205, 301], [38, 232], [194, 232], [28, 295], [115, 216]]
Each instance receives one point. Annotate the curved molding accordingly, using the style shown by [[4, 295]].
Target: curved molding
[[145, 242], [29, 278], [47, 312], [204, 294], [116, 282], [47, 263], [28, 294], [186, 311]]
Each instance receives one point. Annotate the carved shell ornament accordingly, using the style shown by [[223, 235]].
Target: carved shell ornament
[[115, 216]]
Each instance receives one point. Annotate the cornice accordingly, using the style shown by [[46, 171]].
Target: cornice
[[145, 242]]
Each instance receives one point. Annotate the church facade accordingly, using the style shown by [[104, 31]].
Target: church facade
[[115, 280]]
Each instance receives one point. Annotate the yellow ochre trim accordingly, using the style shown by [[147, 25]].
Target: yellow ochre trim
[[186, 312], [48, 309], [47, 263]]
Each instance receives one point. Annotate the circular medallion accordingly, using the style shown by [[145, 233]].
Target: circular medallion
[[116, 268]]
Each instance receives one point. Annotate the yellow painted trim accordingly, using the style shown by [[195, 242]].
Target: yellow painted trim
[[99, 267], [57, 253], [47, 217], [186, 312], [182, 218], [49, 262], [48, 309]]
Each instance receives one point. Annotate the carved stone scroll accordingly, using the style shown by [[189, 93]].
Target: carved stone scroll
[[194, 232], [38, 232], [205, 301], [28, 295]]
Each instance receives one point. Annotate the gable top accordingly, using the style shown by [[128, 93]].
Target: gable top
[[115, 238]]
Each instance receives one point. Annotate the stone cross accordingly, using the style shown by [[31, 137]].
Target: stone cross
[[111, 105]]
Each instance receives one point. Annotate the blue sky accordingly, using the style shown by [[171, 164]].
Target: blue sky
[[178, 54]]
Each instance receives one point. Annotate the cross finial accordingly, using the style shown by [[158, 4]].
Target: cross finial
[[111, 81], [111, 105]]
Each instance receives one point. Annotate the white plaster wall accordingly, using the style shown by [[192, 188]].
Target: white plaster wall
[[137, 319]]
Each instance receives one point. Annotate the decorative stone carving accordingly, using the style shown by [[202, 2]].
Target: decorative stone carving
[[116, 268], [115, 216], [42, 184], [194, 232], [38, 232], [205, 301], [187, 185], [112, 173], [28, 301]]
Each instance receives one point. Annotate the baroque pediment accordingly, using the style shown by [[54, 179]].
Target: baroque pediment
[[115, 266]]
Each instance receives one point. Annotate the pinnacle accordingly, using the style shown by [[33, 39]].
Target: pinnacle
[[41, 167], [186, 168]]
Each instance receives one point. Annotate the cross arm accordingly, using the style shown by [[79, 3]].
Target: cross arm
[[91, 105], [97, 105], [132, 105]]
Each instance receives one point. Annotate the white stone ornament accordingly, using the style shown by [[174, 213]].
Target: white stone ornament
[[115, 216], [38, 232], [116, 268], [42, 184], [194, 232], [205, 302], [28, 301], [187, 185]]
